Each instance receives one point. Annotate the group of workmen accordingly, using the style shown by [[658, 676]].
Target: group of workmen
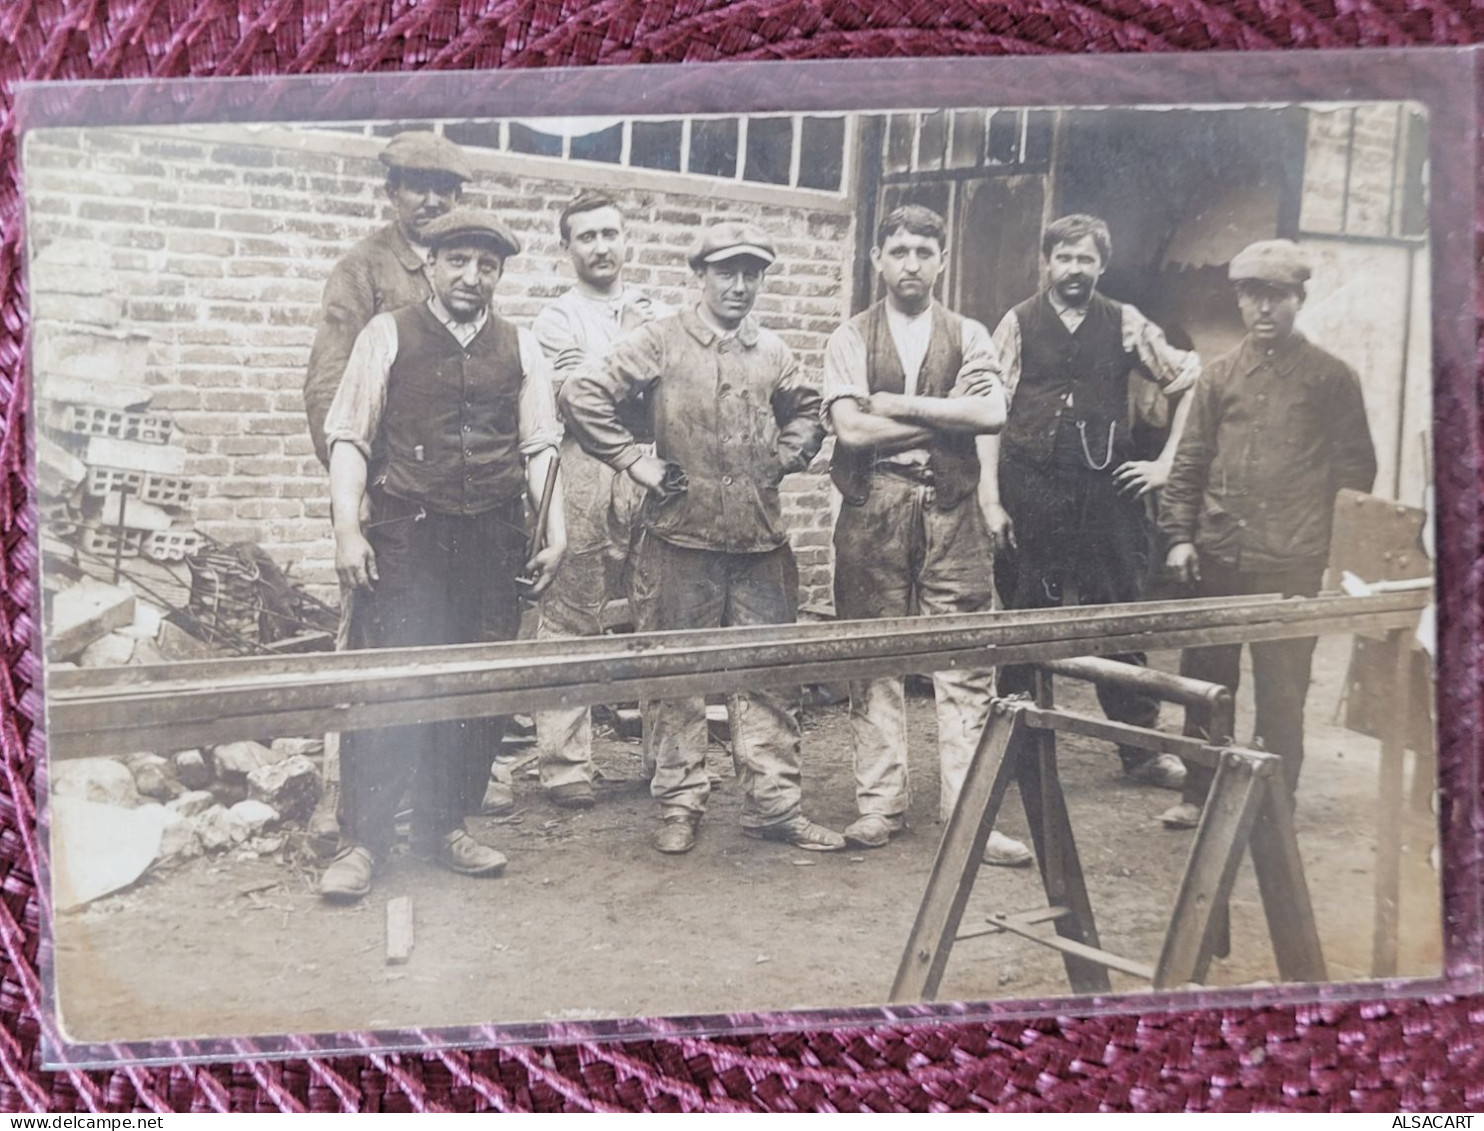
[[652, 442]]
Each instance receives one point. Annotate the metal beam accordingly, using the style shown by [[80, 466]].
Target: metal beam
[[117, 710]]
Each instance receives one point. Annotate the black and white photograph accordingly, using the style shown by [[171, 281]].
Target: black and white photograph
[[535, 571]]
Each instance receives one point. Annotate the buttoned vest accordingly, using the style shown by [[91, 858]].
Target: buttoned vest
[[1091, 365], [449, 431], [952, 456]]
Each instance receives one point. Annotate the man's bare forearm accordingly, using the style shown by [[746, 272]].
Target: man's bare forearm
[[347, 488], [974, 415]]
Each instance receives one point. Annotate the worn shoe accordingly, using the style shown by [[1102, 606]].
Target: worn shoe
[[1165, 771], [499, 800], [800, 832], [348, 877], [572, 795], [1186, 815], [872, 830], [676, 834], [459, 852], [1003, 851]]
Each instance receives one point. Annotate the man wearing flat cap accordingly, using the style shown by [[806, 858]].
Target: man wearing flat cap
[[1277, 428], [910, 537], [425, 173], [732, 415], [443, 426]]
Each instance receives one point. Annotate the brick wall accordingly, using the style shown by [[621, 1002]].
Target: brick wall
[[216, 245]]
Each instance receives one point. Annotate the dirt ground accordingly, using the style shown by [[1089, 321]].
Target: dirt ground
[[590, 922]]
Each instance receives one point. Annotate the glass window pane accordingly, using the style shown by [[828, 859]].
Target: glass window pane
[[484, 134], [523, 139], [601, 145], [655, 145], [931, 139], [1037, 138], [713, 147], [387, 129], [968, 139], [770, 150], [1004, 137], [899, 143], [822, 154]]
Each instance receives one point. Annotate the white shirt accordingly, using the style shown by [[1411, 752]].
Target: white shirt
[[575, 327], [911, 334]]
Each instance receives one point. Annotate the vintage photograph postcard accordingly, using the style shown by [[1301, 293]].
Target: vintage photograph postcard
[[512, 572]]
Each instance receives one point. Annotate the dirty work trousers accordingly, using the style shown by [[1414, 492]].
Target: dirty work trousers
[[1073, 527], [898, 555], [601, 508], [684, 588], [1280, 671], [444, 579]]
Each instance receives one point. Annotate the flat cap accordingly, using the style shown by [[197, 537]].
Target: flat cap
[[1277, 262], [474, 225], [732, 239], [426, 153]]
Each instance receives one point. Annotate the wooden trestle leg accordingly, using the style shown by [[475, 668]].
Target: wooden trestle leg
[[1001, 746], [1056, 848]]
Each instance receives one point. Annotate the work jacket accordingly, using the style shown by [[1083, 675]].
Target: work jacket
[[1274, 433], [733, 411], [381, 273]]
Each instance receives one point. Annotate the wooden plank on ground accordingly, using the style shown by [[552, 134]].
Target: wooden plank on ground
[[398, 930], [86, 612]]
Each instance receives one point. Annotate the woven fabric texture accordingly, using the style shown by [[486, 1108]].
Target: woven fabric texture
[[1405, 1054]]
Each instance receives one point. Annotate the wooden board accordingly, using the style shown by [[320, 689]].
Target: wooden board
[[1377, 539], [398, 930], [86, 612]]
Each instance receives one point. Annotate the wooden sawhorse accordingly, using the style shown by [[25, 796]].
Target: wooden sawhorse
[[1248, 810]]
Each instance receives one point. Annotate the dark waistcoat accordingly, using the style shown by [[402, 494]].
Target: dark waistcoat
[[1091, 366], [952, 457], [449, 437]]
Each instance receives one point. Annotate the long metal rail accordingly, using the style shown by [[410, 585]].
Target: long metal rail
[[172, 706]]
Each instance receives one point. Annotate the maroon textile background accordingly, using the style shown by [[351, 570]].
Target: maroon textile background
[[1423, 1055]]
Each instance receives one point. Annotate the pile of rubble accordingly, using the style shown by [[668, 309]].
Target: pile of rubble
[[239, 795], [112, 483], [127, 577], [112, 497]]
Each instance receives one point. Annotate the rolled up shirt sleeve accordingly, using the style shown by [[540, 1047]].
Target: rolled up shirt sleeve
[[844, 374], [558, 340], [592, 393], [1174, 370], [1007, 347], [980, 358], [355, 412], [538, 427]]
